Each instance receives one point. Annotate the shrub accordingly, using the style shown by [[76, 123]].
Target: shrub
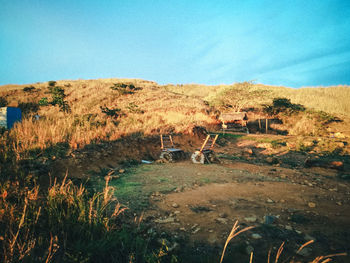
[[3, 102], [284, 106], [115, 113], [28, 89], [133, 108], [28, 107], [124, 88], [57, 94], [43, 102], [52, 83]]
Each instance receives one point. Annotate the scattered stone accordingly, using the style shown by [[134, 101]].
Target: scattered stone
[[311, 204], [177, 212], [269, 200], [196, 230], [256, 236], [339, 203], [175, 205], [211, 231], [221, 220], [298, 231], [288, 228], [165, 221], [251, 219], [194, 226], [182, 229]]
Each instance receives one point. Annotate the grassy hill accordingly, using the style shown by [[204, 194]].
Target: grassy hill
[[100, 110], [48, 221]]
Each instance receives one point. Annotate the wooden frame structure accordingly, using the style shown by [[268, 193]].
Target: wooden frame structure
[[234, 121], [206, 154], [169, 152]]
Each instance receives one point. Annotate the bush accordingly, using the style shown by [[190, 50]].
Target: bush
[[3, 102], [28, 89], [43, 102], [52, 83], [124, 88], [284, 106], [112, 112], [133, 108], [28, 107], [57, 94]]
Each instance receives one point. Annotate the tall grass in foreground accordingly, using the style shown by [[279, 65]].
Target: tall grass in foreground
[[66, 224]]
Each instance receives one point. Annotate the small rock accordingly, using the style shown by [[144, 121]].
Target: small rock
[[121, 171], [182, 229], [251, 219], [175, 205], [194, 226], [269, 200], [288, 228], [196, 230], [211, 231], [177, 212], [311, 205], [298, 231], [165, 221], [339, 203], [256, 236], [221, 220]]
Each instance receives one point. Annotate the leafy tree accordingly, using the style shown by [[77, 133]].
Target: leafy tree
[[240, 96]]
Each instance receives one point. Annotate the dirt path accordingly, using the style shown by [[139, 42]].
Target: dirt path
[[200, 203], [193, 207]]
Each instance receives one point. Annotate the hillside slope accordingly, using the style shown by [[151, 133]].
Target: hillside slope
[[104, 109]]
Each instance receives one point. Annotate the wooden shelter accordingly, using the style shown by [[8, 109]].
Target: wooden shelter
[[234, 121]]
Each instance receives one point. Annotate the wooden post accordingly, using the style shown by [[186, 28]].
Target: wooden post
[[267, 124], [259, 124]]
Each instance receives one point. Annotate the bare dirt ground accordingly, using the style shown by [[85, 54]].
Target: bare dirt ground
[[192, 208]]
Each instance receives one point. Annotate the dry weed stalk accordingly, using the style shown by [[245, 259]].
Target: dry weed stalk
[[232, 235]]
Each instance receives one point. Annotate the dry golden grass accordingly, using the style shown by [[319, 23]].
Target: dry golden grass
[[159, 109], [150, 110], [333, 99]]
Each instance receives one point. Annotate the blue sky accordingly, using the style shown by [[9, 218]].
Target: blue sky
[[289, 43]]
